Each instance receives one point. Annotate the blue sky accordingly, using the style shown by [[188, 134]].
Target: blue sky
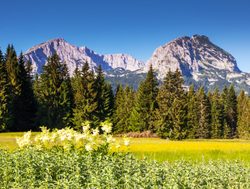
[[135, 27]]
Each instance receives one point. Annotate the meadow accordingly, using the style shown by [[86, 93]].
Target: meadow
[[166, 150], [33, 162]]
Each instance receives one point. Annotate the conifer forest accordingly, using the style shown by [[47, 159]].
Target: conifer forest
[[168, 109]]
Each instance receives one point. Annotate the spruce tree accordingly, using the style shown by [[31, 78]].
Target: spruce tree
[[171, 113], [145, 103], [55, 94], [204, 113], [24, 104], [4, 96], [216, 115], [104, 97], [84, 96], [243, 107], [192, 113], [124, 101], [13, 72], [230, 112]]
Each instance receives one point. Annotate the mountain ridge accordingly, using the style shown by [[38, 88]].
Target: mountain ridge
[[201, 62]]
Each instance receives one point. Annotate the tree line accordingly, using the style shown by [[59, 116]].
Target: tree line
[[55, 100]]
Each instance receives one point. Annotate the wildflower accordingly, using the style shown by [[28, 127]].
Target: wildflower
[[106, 127], [25, 140], [88, 147], [110, 139], [95, 132], [126, 141], [86, 126]]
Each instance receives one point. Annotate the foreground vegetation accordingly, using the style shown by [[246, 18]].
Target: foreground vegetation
[[56, 168], [94, 159]]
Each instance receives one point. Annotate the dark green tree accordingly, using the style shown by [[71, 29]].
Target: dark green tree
[[54, 92], [229, 99], [24, 104], [4, 96], [216, 115], [104, 97], [84, 90], [171, 112], [124, 101], [243, 116], [145, 103], [204, 114], [13, 72], [192, 113]]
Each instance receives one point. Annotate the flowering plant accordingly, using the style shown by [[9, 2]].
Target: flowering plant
[[88, 140]]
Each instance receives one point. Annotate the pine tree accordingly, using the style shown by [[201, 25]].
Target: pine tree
[[203, 114], [13, 72], [243, 115], [192, 113], [104, 97], [4, 96], [55, 94], [24, 103], [145, 103], [84, 96], [108, 96], [216, 115], [124, 101], [171, 97], [230, 112]]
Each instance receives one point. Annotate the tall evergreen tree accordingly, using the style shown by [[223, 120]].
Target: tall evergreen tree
[[243, 116], [192, 113], [145, 103], [24, 104], [84, 96], [55, 94], [203, 114], [104, 97], [216, 115], [230, 112], [124, 101], [13, 72], [4, 96], [171, 97]]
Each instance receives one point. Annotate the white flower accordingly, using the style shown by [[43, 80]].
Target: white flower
[[106, 127], [25, 140], [45, 138], [95, 132], [78, 137], [88, 147], [86, 126], [110, 139], [126, 141]]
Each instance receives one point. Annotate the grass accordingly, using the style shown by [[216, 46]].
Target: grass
[[161, 150], [194, 150]]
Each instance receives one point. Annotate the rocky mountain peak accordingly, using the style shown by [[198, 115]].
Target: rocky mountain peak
[[77, 56]]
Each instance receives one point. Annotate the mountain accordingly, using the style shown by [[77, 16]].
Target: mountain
[[77, 56], [201, 62]]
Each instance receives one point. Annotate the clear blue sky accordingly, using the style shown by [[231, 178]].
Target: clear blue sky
[[135, 27]]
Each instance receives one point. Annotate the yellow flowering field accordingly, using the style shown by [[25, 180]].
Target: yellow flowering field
[[160, 149]]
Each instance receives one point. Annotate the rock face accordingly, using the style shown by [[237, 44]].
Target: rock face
[[192, 55], [201, 62], [77, 56]]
